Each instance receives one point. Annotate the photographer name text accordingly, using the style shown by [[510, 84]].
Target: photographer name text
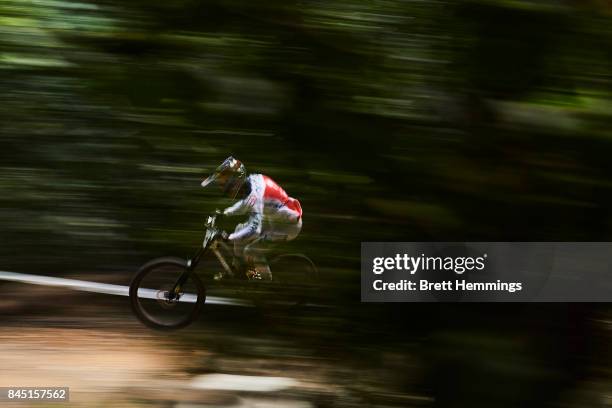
[[457, 265]]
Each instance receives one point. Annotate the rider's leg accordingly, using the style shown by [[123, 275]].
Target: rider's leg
[[239, 261], [283, 231], [272, 233], [256, 258]]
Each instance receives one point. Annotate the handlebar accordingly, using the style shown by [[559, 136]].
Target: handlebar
[[212, 219], [211, 227]]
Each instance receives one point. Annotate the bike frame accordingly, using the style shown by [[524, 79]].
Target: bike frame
[[214, 246], [211, 242]]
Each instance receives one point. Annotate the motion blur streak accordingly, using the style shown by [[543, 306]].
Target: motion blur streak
[[103, 288]]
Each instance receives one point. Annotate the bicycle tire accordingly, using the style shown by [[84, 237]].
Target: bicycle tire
[[312, 278], [139, 311]]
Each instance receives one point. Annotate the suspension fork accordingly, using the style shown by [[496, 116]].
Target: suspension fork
[[191, 265]]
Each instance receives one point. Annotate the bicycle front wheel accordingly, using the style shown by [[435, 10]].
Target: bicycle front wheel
[[154, 302]]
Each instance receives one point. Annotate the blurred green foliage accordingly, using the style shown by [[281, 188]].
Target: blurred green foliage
[[388, 119]]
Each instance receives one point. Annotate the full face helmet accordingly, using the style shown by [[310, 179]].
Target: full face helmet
[[229, 176]]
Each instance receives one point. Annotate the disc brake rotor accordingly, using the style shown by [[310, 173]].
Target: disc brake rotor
[[164, 302]]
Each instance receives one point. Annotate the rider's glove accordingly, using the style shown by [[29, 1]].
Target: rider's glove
[[219, 214], [224, 235]]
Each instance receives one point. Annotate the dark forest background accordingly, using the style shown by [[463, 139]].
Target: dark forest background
[[389, 120]]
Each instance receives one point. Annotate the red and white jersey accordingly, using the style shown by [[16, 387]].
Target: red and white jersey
[[265, 201]]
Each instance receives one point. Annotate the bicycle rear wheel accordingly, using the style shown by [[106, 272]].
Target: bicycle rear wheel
[[150, 294], [295, 276]]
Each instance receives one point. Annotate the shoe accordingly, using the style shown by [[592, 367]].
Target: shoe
[[259, 273]]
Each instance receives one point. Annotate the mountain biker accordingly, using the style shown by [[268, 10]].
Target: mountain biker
[[273, 216]]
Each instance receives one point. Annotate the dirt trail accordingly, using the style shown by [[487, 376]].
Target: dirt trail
[[97, 365]]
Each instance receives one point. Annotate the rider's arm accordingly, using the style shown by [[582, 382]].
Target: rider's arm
[[254, 203], [251, 228], [238, 208]]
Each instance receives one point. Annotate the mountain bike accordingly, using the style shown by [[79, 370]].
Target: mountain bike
[[166, 293]]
